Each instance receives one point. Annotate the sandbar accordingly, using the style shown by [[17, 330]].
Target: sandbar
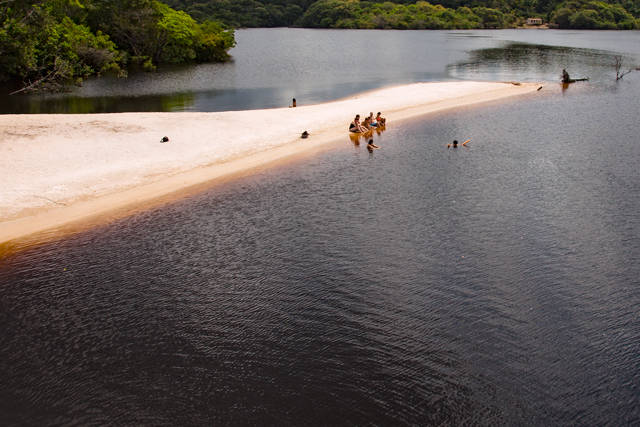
[[60, 169]]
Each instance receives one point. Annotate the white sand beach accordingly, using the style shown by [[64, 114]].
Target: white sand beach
[[56, 170]]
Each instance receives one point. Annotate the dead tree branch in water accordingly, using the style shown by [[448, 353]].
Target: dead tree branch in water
[[61, 71], [33, 85], [619, 73]]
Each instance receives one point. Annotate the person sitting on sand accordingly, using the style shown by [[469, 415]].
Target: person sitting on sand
[[372, 120], [380, 120], [355, 125], [367, 123]]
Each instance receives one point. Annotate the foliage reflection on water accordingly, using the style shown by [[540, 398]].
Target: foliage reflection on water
[[256, 80], [520, 61]]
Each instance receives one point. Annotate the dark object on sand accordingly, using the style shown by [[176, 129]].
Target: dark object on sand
[[165, 139], [540, 88], [305, 134]]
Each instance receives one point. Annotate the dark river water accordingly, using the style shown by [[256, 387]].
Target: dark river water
[[495, 284]]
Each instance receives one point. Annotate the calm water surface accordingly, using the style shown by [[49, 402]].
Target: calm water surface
[[271, 66], [496, 284]]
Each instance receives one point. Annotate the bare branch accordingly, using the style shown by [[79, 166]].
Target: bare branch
[[60, 71], [618, 64], [34, 84]]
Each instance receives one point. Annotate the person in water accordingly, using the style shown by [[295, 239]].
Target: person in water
[[565, 76], [371, 145], [454, 144], [381, 121], [293, 103], [355, 125]]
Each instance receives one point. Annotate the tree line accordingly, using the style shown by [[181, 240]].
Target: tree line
[[416, 14], [47, 44]]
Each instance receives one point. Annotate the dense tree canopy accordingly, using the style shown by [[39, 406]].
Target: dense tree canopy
[[420, 15], [49, 43], [245, 13], [415, 14], [593, 14]]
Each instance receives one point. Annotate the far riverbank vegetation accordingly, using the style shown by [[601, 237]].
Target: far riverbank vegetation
[[47, 44], [412, 14]]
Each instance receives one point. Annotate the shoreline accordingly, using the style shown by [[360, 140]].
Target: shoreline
[[66, 173]]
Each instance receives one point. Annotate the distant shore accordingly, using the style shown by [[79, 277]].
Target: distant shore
[[61, 170]]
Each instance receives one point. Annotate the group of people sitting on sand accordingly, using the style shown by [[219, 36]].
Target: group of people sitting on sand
[[369, 123]]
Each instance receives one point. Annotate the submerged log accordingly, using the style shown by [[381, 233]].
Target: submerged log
[[567, 79]]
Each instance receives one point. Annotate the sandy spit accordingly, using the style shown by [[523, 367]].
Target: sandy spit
[[57, 170]]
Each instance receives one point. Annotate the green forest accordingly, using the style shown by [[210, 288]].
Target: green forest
[[49, 44], [408, 14]]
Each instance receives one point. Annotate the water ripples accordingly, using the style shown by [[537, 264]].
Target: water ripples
[[495, 284]]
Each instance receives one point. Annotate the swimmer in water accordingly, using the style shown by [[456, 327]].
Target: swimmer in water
[[454, 145]]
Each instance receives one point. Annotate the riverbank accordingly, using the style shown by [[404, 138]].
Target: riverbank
[[59, 170]]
